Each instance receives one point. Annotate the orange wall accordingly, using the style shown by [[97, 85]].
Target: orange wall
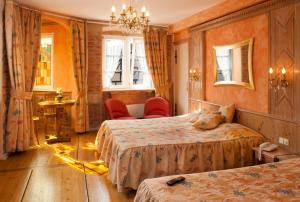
[[219, 10], [63, 69], [255, 100]]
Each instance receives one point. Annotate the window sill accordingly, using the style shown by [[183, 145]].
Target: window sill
[[128, 89], [48, 91]]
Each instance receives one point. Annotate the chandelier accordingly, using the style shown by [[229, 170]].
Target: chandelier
[[129, 20]]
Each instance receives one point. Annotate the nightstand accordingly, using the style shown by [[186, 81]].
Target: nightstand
[[279, 154]]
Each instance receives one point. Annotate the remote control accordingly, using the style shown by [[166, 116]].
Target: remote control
[[175, 180]]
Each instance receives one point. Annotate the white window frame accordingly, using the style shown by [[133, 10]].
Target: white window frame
[[51, 86], [127, 77]]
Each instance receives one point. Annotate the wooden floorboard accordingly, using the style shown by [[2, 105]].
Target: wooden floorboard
[[56, 184], [101, 189], [13, 185], [41, 174], [33, 158]]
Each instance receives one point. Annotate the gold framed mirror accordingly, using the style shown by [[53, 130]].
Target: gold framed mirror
[[233, 64]]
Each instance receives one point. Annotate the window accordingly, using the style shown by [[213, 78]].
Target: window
[[44, 74], [124, 64]]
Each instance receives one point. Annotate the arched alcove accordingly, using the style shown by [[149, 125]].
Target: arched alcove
[[63, 76]]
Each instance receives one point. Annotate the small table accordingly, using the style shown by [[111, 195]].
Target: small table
[[278, 154], [57, 106]]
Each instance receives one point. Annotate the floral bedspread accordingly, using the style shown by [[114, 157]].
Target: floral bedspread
[[268, 182], [138, 149]]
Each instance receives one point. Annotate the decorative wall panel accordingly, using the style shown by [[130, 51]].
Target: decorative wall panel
[[284, 37], [196, 62]]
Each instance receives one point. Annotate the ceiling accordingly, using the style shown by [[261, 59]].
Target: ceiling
[[162, 12]]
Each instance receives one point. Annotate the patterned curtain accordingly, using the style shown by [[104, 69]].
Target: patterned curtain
[[80, 72], [156, 47], [23, 29]]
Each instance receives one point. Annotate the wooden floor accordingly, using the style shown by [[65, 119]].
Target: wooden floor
[[40, 175]]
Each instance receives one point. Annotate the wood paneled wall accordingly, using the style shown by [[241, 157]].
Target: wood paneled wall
[[285, 52], [283, 119], [197, 62]]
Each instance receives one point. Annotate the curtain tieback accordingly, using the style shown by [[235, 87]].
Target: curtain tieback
[[22, 95], [79, 95]]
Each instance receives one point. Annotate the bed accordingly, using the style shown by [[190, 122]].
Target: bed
[[135, 150], [269, 182]]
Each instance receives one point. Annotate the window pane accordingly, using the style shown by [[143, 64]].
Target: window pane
[[44, 70], [113, 72], [140, 72]]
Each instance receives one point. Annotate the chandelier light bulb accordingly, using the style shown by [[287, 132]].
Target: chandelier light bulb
[[113, 9], [130, 20], [143, 9]]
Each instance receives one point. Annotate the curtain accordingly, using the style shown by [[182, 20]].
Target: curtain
[[80, 73], [156, 48], [140, 58], [23, 28]]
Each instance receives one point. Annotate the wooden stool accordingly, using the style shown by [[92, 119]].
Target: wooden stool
[[35, 120]]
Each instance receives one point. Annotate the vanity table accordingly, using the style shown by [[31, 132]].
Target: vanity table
[[58, 107]]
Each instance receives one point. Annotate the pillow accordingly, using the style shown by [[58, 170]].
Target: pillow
[[228, 112], [208, 121], [194, 116]]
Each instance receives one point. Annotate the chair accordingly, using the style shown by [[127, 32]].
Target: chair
[[117, 110], [157, 107]]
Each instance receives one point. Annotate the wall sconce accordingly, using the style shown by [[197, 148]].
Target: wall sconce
[[194, 75], [278, 81]]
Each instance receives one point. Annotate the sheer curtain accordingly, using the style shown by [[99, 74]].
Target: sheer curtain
[[114, 48], [23, 30], [141, 55]]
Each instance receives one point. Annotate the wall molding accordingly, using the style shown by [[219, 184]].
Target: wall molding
[[242, 14]]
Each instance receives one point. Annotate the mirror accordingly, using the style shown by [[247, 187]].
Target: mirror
[[233, 64]]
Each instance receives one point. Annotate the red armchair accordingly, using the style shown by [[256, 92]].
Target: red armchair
[[157, 107], [117, 110]]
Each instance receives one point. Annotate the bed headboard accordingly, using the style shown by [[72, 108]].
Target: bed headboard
[[270, 126]]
